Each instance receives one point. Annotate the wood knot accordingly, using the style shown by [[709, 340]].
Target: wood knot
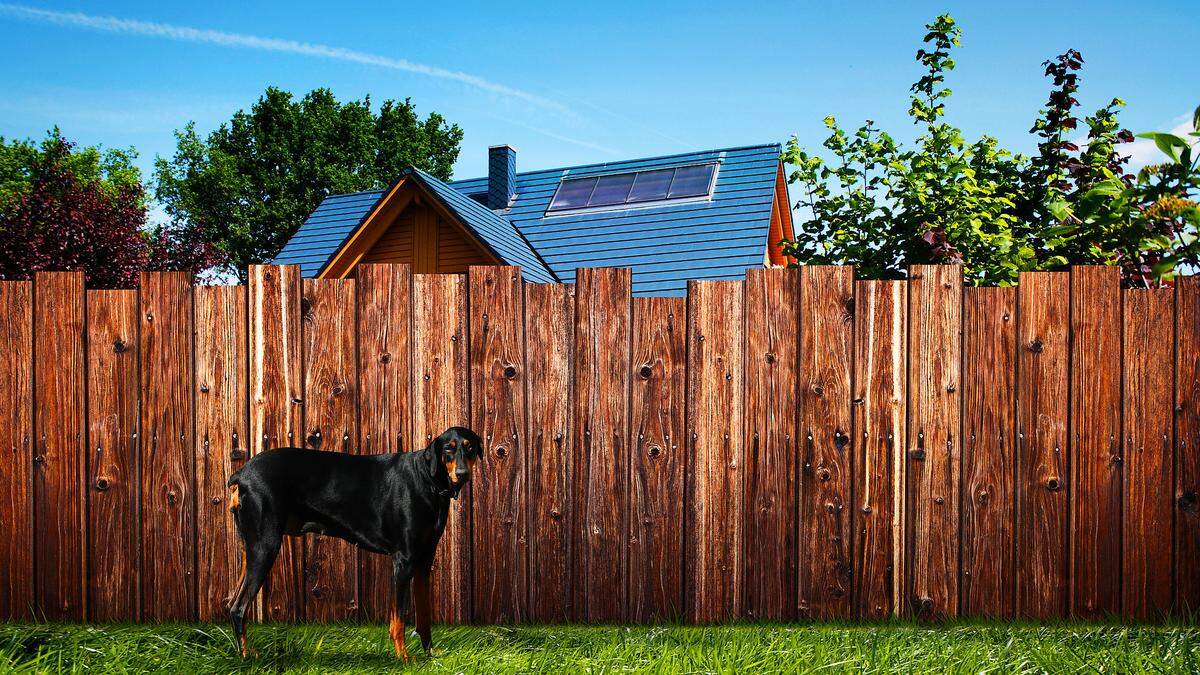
[[203, 388], [555, 514], [501, 451], [655, 451], [510, 372], [939, 500], [645, 372], [102, 484], [119, 346], [1054, 484], [237, 453], [770, 358], [385, 358], [1036, 346], [818, 390], [918, 454], [339, 389], [1189, 502], [172, 497]]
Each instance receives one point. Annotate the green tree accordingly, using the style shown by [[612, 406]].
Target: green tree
[[250, 184], [112, 169]]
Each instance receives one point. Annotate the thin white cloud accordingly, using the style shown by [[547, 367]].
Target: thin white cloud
[[240, 40], [1142, 151]]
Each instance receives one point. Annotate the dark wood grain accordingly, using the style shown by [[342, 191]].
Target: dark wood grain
[[881, 343], [277, 408], [549, 349], [112, 485], [16, 450], [1095, 518], [1043, 360], [221, 441], [168, 499], [1148, 453], [500, 534], [934, 443], [330, 424], [441, 400], [1187, 446], [826, 449], [714, 538], [657, 423], [59, 417], [385, 400], [988, 414], [601, 461]]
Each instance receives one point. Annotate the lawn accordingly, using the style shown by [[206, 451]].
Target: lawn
[[883, 648]]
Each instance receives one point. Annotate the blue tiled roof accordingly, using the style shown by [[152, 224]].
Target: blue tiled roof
[[665, 244]]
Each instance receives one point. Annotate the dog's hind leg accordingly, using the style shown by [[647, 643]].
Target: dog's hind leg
[[401, 575], [262, 536], [420, 587]]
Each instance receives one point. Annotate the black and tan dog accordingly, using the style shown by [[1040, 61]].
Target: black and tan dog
[[393, 504]]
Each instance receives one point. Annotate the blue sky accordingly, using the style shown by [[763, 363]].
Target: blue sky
[[572, 83]]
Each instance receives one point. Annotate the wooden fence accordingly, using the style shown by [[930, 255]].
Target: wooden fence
[[796, 445]]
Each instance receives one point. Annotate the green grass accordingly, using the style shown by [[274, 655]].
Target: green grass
[[880, 648]]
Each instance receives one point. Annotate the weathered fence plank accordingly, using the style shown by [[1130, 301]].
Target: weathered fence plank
[[59, 378], [112, 485], [989, 408], [826, 449], [1187, 446], [715, 488], [498, 377], [16, 450], [168, 499], [1043, 359], [656, 425], [385, 397], [549, 347], [221, 441], [277, 408], [935, 446], [330, 423], [1095, 545], [1148, 453], [880, 383], [601, 460], [441, 372]]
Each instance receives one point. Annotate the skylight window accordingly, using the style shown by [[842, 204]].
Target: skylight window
[[634, 187]]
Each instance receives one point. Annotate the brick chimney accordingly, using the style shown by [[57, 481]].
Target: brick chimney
[[502, 176]]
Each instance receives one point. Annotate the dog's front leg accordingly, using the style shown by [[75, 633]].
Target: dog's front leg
[[421, 600], [401, 575]]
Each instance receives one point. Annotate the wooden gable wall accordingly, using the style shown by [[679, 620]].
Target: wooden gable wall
[[429, 242]]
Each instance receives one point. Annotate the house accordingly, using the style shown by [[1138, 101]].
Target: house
[[700, 215]]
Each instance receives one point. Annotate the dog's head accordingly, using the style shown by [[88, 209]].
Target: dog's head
[[457, 449]]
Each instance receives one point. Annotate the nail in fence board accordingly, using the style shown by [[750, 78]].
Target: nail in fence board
[[602, 335], [1043, 360], [826, 364], [16, 450], [112, 446], [385, 401], [277, 408], [657, 459], [1148, 457], [441, 400], [1096, 441], [1187, 446], [715, 490], [498, 404], [989, 408], [549, 346], [58, 489], [330, 413], [221, 441], [167, 450], [934, 347], [881, 343]]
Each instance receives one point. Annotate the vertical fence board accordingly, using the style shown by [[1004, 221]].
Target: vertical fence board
[[880, 381], [168, 500], [1187, 446], [1148, 459], [277, 407], [549, 346], [772, 322], [989, 408], [656, 426], [112, 485], [601, 462], [826, 353], [221, 441], [59, 378], [385, 400], [330, 413], [715, 488], [1096, 441], [1043, 360], [441, 372], [498, 404], [934, 426], [16, 454]]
